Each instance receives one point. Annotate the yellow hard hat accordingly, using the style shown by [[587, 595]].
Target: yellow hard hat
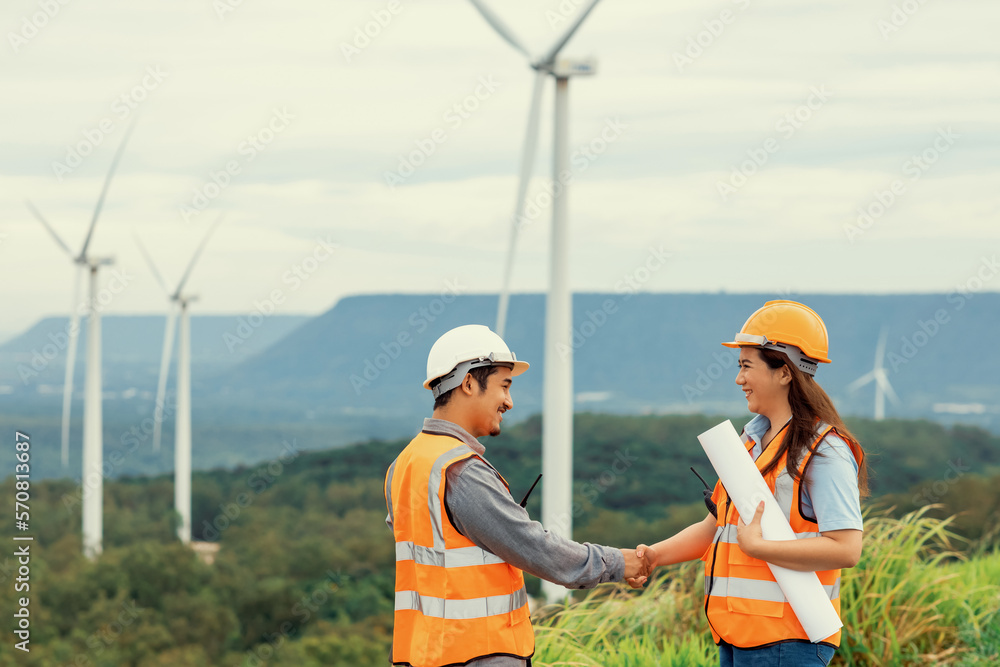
[[788, 327]]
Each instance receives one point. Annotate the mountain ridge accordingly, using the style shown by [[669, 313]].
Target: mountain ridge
[[634, 353]]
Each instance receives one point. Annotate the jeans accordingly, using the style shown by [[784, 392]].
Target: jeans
[[784, 654]]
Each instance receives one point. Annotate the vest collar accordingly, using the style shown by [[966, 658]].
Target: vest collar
[[755, 430], [445, 427]]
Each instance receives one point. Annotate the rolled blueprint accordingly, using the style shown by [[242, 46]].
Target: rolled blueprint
[[746, 487]]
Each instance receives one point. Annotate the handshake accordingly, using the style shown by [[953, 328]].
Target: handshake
[[639, 564]]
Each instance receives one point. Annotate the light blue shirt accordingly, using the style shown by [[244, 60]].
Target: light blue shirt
[[831, 490]]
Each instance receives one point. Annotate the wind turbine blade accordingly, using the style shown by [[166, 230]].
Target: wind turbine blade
[[48, 227], [104, 190], [502, 29], [505, 288], [197, 254], [880, 348], [861, 381], [883, 381], [74, 333], [530, 147], [557, 46], [152, 265], [528, 154], [161, 383]]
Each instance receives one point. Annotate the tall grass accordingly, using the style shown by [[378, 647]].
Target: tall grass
[[619, 628], [914, 599], [913, 593]]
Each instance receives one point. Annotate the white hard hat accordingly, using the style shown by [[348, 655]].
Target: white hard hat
[[464, 348]]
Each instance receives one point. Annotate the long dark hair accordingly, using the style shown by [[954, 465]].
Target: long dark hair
[[808, 402]]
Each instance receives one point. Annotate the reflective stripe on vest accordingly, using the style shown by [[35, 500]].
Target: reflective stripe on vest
[[388, 493], [459, 557], [757, 589], [727, 534], [433, 484], [493, 605]]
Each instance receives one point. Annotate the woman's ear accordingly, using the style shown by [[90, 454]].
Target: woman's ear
[[786, 375]]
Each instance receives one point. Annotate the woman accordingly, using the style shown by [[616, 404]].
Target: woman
[[816, 470]]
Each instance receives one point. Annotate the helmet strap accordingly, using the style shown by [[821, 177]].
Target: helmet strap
[[455, 378], [805, 364]]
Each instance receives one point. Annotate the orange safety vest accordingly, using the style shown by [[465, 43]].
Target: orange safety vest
[[455, 601], [744, 604]]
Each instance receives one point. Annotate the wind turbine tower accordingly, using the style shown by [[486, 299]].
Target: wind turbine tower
[[557, 424], [182, 423], [93, 444]]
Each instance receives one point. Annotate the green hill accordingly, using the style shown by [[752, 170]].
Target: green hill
[[304, 571]]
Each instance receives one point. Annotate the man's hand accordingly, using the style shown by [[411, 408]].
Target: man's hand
[[751, 535], [639, 564]]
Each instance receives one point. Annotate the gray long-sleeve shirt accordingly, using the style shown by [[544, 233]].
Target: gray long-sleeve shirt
[[482, 509]]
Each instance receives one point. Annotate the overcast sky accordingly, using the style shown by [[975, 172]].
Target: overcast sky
[[742, 138]]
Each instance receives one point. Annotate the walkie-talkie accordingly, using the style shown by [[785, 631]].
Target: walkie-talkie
[[707, 493], [524, 501]]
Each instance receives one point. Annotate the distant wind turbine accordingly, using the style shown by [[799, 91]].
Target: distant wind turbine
[[93, 444], [557, 424], [543, 65], [879, 377], [182, 424]]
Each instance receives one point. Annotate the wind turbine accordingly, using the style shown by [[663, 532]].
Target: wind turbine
[[182, 425], [879, 377], [93, 444], [557, 425]]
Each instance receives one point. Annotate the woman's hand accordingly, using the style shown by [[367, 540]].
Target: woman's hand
[[832, 550], [751, 536]]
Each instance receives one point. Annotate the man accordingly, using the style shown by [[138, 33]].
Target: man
[[461, 539]]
